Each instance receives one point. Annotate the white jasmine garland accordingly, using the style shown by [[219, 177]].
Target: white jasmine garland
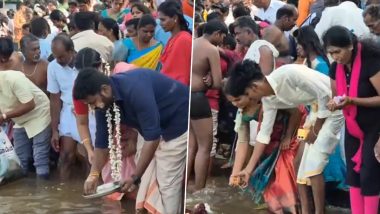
[[114, 145]]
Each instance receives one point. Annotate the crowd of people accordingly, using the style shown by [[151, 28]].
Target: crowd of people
[[104, 83], [297, 83]]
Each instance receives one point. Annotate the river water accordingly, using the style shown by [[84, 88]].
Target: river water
[[222, 199], [28, 195]]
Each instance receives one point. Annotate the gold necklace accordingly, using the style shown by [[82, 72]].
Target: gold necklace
[[29, 75]]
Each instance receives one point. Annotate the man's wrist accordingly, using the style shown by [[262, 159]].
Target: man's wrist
[[136, 179]]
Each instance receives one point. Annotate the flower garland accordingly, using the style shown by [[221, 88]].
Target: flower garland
[[114, 147]]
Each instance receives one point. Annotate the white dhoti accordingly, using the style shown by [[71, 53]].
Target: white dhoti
[[315, 156], [68, 124], [161, 185]]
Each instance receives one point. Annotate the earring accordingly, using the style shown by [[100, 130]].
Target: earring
[[175, 20]]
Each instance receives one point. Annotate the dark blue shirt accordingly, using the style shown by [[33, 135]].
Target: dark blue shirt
[[150, 102]]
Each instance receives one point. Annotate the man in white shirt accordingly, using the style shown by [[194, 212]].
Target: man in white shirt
[[346, 14], [87, 38], [288, 87], [61, 76], [267, 9]]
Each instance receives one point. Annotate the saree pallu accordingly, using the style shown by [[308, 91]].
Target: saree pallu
[[274, 179], [173, 66], [146, 58]]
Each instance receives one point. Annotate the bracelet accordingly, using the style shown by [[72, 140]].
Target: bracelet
[[84, 141], [94, 174]]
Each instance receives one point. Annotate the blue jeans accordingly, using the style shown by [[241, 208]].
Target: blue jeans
[[37, 148]]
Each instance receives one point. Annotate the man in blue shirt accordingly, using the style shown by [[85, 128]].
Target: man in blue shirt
[[158, 108]]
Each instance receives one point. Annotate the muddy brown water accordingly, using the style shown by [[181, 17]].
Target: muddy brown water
[[223, 199], [28, 195]]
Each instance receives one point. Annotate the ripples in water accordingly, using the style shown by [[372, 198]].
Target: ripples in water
[[29, 195], [223, 199]]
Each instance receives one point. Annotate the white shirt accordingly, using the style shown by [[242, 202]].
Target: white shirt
[[293, 85], [350, 16], [89, 39], [61, 80], [270, 13], [253, 52]]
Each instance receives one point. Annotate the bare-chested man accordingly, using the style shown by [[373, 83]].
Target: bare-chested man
[[276, 34], [33, 67], [9, 59], [206, 59]]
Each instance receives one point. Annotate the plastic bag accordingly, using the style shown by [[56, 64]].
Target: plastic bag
[[10, 167]]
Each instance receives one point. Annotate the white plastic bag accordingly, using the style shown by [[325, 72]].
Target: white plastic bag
[[9, 162]]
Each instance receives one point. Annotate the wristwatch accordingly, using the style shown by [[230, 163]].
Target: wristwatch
[[136, 180]]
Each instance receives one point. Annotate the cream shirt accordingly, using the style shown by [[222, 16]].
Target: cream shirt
[[89, 39], [15, 89], [293, 85]]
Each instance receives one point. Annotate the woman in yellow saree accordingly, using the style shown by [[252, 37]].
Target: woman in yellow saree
[[144, 51]]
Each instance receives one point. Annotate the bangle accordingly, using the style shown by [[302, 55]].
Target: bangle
[[4, 116], [84, 141], [94, 174]]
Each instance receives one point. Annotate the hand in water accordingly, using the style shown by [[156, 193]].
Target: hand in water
[[244, 176], [377, 150], [55, 141], [233, 180], [91, 184]]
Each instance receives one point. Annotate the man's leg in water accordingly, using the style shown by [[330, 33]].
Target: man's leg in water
[[202, 129], [191, 152]]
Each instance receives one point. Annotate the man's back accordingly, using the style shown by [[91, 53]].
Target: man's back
[[166, 100], [350, 16], [89, 39]]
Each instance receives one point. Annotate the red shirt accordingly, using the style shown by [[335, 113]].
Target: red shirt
[[80, 108], [213, 95], [176, 58]]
